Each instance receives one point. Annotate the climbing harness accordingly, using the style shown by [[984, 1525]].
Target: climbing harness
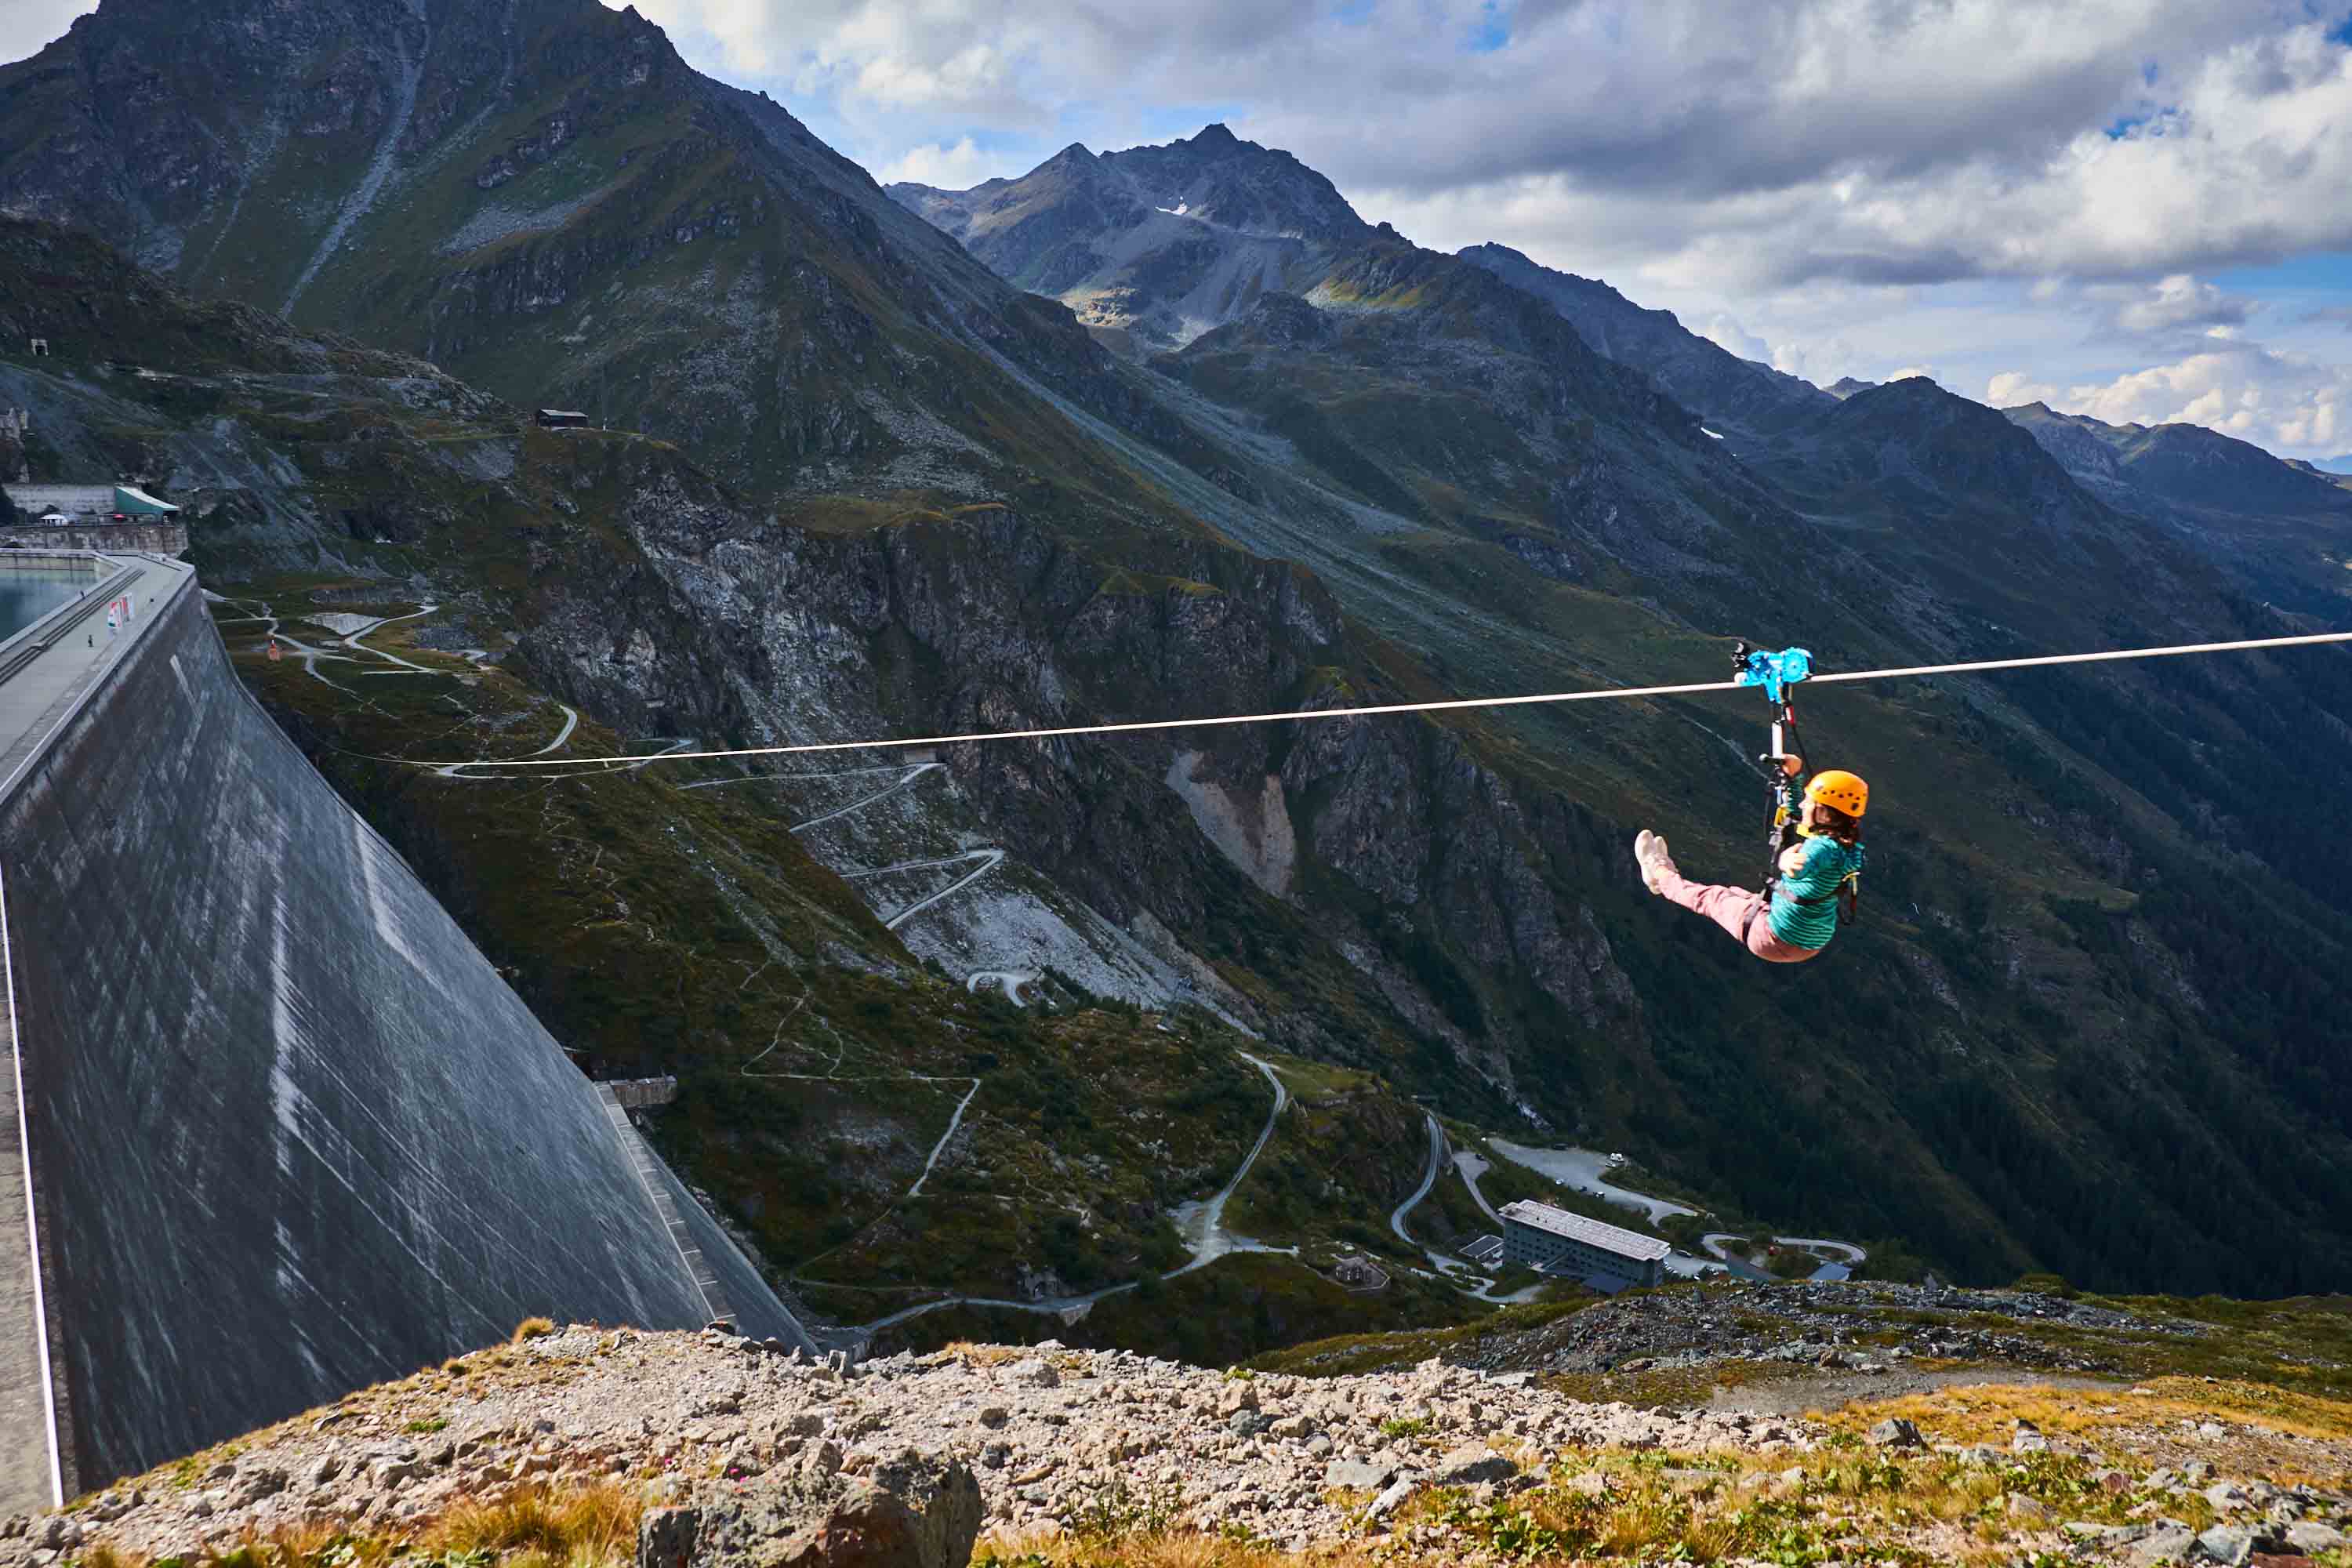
[[1781, 766], [1784, 765]]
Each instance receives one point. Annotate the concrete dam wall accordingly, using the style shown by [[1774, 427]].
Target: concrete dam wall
[[287, 1132]]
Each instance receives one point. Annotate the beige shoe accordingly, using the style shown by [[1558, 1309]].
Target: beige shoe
[[1650, 855]]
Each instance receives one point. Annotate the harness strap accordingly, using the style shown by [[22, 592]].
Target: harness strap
[[1851, 884]]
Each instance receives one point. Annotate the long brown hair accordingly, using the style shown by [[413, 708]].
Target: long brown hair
[[1827, 818]]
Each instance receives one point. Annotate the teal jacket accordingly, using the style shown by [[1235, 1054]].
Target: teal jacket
[[1804, 924]]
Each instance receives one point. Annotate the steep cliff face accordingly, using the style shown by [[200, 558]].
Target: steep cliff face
[[2282, 529], [1412, 857]]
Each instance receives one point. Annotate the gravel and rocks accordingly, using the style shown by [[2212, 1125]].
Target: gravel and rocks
[[1050, 1434], [747, 1454], [1807, 1324], [914, 1511]]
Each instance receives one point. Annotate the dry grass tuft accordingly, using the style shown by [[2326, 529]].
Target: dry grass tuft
[[532, 1328], [588, 1527], [582, 1527], [1175, 1549], [1989, 1413]]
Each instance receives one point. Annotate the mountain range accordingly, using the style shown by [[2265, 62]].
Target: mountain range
[[1174, 431]]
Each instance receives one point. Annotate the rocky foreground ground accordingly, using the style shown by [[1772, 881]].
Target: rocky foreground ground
[[712, 1448]]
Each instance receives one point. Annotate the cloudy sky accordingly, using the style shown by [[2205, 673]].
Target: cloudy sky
[[2138, 209]]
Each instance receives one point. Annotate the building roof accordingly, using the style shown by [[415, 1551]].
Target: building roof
[[140, 499], [1591, 1232]]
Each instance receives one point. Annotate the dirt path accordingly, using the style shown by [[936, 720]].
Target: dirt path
[[939, 1147]]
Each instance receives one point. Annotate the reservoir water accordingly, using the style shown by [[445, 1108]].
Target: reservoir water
[[28, 593]]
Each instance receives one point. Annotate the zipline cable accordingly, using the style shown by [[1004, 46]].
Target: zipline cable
[[1451, 705]]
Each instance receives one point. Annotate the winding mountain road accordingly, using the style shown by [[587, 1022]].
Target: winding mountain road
[[570, 723], [1854, 1256], [1428, 1181], [990, 860], [1472, 1167], [1581, 1169], [1201, 1225], [1010, 981], [1457, 1273]]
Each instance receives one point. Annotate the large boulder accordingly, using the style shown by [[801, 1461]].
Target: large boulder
[[2310, 1536], [1896, 1433], [917, 1511], [1471, 1465], [2226, 1544]]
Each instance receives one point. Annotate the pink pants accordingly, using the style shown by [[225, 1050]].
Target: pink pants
[[1739, 911]]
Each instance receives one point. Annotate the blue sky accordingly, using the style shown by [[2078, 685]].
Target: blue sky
[[2131, 209]]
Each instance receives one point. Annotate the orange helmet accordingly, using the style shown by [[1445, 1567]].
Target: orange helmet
[[1836, 787]]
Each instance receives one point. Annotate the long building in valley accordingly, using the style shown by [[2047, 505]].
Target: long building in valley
[[89, 503], [1554, 1241]]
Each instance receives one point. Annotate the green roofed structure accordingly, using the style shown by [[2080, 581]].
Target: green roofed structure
[[90, 503]]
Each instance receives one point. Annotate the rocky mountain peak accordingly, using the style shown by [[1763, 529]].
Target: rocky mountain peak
[[2177, 464], [1220, 179], [1917, 433], [1921, 402]]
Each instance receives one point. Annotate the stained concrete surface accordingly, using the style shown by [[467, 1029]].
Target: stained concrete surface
[[291, 1132], [25, 1457]]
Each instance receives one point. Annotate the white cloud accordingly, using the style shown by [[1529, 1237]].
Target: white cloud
[[1728, 334], [2246, 167], [2286, 402], [955, 168], [2181, 302], [2013, 387]]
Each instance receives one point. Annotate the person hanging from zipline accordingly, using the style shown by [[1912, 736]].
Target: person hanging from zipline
[[1815, 873], [1794, 918]]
